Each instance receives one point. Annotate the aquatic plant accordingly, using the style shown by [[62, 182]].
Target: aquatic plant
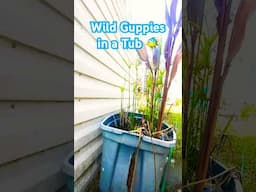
[[172, 60], [194, 93]]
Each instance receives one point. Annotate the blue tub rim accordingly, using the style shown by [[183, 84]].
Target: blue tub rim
[[147, 139]]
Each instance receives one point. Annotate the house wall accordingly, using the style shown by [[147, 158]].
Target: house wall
[[98, 77], [35, 108]]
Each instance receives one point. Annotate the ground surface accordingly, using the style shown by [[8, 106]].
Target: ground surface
[[241, 153]]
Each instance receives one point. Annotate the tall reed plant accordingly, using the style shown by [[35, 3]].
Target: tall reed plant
[[204, 76]]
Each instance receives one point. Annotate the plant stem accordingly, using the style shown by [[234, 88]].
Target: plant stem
[[164, 98], [152, 100], [129, 86], [186, 90], [216, 91]]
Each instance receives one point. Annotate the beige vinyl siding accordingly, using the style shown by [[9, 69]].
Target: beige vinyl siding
[[33, 139], [99, 74]]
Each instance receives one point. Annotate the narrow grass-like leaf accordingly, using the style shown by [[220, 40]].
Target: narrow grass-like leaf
[[246, 8], [176, 63]]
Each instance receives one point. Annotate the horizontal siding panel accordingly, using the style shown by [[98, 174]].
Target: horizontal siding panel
[[86, 87], [63, 6], [28, 127], [89, 65], [82, 183], [116, 14], [118, 4], [86, 156], [27, 173], [98, 77], [87, 109], [85, 40], [53, 183], [86, 132], [105, 7], [95, 9], [83, 16], [30, 75], [35, 16]]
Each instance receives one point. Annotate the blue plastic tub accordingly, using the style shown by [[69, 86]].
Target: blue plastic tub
[[231, 185], [68, 169], [118, 147]]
